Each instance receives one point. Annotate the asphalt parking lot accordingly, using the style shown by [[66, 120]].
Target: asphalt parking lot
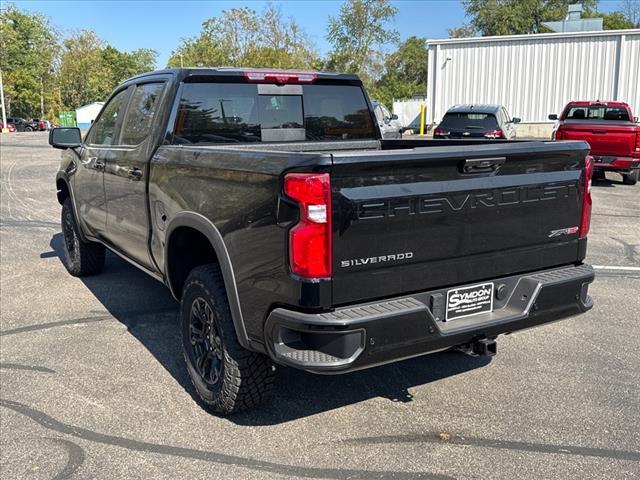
[[93, 383]]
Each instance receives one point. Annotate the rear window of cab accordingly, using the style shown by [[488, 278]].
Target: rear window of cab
[[597, 112], [239, 113]]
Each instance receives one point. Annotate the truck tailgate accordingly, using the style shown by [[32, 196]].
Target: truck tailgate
[[614, 138], [405, 221]]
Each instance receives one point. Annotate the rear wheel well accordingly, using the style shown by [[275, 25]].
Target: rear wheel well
[[187, 249], [63, 191]]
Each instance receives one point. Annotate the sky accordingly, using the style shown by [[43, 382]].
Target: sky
[[128, 25]]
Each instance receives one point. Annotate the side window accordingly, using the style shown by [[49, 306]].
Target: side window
[[104, 129], [143, 105]]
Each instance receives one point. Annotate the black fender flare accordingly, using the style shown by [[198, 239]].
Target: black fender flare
[[62, 176], [206, 227]]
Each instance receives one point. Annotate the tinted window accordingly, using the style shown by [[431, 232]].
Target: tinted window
[[469, 120], [599, 112], [228, 113], [336, 112], [104, 128], [143, 105]]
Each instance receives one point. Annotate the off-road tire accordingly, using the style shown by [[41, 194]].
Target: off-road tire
[[79, 257], [631, 178], [599, 175], [244, 379]]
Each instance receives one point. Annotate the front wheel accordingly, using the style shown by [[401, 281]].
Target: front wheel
[[631, 178], [79, 257], [227, 377]]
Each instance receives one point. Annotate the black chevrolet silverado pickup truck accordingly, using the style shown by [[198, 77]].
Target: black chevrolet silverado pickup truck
[[293, 234]]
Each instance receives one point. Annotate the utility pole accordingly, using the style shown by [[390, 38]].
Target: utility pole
[[41, 98], [5, 129]]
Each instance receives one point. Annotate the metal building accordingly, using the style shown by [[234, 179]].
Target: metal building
[[534, 75], [86, 114]]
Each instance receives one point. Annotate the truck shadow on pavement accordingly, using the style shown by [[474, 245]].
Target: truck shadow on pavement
[[150, 314]]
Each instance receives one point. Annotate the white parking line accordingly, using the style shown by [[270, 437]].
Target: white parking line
[[616, 267]]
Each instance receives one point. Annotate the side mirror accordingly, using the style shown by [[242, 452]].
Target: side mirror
[[516, 120], [394, 117], [553, 116], [65, 138]]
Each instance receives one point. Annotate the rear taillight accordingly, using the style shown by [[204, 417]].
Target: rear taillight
[[585, 222], [440, 131], [279, 76], [310, 239], [638, 142], [494, 134]]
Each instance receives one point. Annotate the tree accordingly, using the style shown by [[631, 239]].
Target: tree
[[405, 72], [125, 65], [512, 17], [464, 31], [615, 21], [27, 53], [631, 10], [242, 37], [85, 77], [357, 35]]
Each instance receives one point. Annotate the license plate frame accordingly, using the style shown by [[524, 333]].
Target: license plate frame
[[478, 300]]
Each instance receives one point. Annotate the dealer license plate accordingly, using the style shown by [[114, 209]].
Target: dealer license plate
[[467, 301]]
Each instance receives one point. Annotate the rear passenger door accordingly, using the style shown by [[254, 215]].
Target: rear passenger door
[[126, 174]]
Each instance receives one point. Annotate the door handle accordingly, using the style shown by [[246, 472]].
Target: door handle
[[599, 131], [482, 165], [134, 174], [97, 164]]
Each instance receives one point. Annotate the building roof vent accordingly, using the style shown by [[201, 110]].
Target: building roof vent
[[574, 22]]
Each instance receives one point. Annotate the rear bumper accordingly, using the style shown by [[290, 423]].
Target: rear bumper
[[362, 336], [615, 164]]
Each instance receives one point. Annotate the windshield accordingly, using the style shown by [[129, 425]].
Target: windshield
[[598, 112], [237, 113], [469, 120]]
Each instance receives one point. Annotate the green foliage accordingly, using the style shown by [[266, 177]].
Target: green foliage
[[512, 17], [125, 65], [464, 31], [356, 35], [85, 77], [405, 72], [27, 52], [615, 21], [240, 37], [37, 67]]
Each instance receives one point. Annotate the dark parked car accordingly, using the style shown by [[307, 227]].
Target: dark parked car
[[293, 234], [477, 121], [23, 125]]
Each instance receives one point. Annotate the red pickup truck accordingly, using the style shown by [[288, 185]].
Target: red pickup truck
[[610, 129]]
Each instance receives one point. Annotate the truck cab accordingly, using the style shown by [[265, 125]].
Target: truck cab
[[612, 132]]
